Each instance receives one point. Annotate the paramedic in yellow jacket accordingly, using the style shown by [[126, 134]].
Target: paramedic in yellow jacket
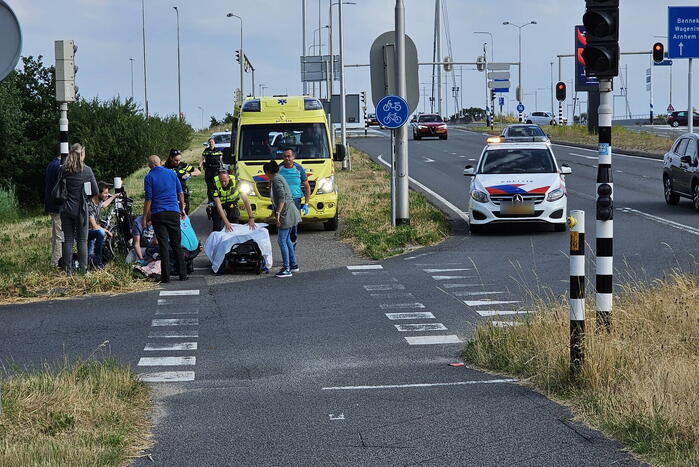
[[225, 196]]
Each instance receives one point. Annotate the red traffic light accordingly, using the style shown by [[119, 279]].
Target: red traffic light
[[560, 91], [658, 52]]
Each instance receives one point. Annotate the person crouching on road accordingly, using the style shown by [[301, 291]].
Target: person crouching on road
[[296, 178], [286, 216], [163, 191], [211, 162], [226, 195], [184, 172]]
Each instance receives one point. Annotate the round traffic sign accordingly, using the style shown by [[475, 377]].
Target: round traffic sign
[[10, 40], [392, 111], [520, 107]]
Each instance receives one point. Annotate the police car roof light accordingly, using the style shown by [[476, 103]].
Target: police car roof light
[[493, 139], [252, 106]]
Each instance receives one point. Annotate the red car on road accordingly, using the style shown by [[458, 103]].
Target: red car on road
[[429, 125]]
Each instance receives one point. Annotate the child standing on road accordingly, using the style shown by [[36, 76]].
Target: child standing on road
[[287, 216]]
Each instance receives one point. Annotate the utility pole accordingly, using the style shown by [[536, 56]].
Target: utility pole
[[303, 40], [438, 39], [401, 140], [179, 70], [343, 109], [145, 68], [131, 60]]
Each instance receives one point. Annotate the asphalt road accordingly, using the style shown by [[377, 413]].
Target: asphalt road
[[349, 364]]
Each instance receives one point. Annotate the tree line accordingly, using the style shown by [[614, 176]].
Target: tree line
[[115, 132]]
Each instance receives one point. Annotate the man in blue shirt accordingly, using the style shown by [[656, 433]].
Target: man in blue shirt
[[163, 206], [296, 178]]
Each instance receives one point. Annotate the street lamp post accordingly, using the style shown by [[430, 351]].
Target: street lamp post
[[492, 44], [131, 60], [179, 70], [202, 115], [242, 55], [262, 87], [145, 70], [520, 91]]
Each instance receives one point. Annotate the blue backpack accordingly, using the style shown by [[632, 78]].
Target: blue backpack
[[189, 240]]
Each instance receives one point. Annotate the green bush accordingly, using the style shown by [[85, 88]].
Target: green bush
[[117, 136]]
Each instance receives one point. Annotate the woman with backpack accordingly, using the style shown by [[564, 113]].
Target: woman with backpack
[[74, 211], [286, 215]]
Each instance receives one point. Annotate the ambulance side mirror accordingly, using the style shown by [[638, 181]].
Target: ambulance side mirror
[[340, 153]]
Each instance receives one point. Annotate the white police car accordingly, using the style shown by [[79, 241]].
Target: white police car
[[517, 181]]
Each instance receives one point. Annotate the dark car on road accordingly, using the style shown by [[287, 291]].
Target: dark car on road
[[429, 125], [676, 119], [523, 131], [371, 120], [681, 171]]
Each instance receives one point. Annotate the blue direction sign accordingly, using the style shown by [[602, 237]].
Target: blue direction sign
[[392, 111], [502, 89], [501, 101], [683, 31], [520, 107]]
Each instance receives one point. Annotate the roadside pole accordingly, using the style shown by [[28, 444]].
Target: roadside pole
[[576, 223], [393, 178], [401, 150], [652, 65], [605, 207], [63, 131], [65, 88], [347, 163], [303, 43], [690, 110]]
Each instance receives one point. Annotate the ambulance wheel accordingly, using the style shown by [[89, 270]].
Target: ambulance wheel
[[332, 224]]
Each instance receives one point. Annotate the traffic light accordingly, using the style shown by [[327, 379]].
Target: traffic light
[[492, 94], [560, 91], [658, 52], [605, 211], [363, 97], [65, 70], [601, 54], [237, 55]]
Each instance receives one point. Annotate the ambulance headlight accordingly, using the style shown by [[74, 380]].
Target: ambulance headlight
[[326, 185], [246, 187]]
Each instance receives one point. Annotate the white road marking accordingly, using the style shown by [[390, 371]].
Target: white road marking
[[614, 153], [421, 327], [448, 278], [502, 312], [183, 312], [167, 377], [448, 204], [458, 286], [170, 301], [583, 155], [463, 293], [178, 293], [504, 324], [428, 160], [367, 273], [660, 220], [402, 306], [414, 315], [489, 302], [416, 256], [167, 361], [364, 266], [337, 417], [172, 334], [446, 270], [398, 294], [174, 346], [433, 340], [420, 385], [176, 322], [378, 287], [201, 269]]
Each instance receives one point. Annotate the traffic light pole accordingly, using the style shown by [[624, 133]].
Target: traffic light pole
[[560, 113], [402, 213], [605, 207], [63, 129], [690, 109]]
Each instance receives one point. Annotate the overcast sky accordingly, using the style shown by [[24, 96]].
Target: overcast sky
[[108, 33]]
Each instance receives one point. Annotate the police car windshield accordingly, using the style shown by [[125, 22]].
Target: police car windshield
[[524, 131], [265, 142], [222, 138], [511, 161]]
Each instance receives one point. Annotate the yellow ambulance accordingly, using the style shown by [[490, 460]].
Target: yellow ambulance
[[266, 126]]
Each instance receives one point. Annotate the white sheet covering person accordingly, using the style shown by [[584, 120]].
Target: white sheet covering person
[[220, 243]]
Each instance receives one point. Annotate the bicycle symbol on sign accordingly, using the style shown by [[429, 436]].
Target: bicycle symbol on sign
[[390, 105], [395, 118]]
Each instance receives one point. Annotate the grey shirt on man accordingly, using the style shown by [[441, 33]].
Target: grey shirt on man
[[281, 193]]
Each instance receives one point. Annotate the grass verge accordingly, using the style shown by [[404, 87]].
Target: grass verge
[[365, 201], [86, 413], [638, 384], [622, 138], [26, 273]]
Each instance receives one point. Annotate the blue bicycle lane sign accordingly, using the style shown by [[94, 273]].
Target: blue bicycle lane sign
[[392, 111]]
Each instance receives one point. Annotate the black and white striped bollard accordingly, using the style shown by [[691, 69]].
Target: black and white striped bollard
[[604, 228], [576, 223], [64, 147]]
